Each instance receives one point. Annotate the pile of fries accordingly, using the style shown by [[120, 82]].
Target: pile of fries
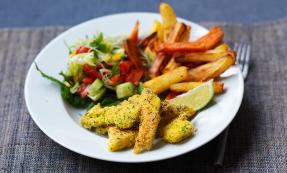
[[178, 64]]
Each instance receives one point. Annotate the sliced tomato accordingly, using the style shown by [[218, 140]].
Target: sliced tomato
[[88, 80], [115, 79], [125, 66], [134, 76], [91, 71], [83, 90], [83, 49]]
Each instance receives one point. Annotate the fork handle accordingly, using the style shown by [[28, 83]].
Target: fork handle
[[220, 147]]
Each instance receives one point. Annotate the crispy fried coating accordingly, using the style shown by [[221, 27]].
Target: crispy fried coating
[[101, 130], [95, 117], [178, 130], [127, 115], [170, 112], [149, 120], [120, 139], [124, 116]]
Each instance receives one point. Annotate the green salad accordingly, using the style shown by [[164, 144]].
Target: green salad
[[99, 71]]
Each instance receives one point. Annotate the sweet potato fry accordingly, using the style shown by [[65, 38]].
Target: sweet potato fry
[[146, 41], [163, 82], [159, 61], [204, 43], [211, 70], [180, 32], [186, 86], [182, 47], [134, 34], [213, 37], [133, 53], [162, 60]]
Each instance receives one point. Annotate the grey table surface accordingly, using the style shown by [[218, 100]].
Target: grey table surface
[[257, 138], [258, 133], [20, 13]]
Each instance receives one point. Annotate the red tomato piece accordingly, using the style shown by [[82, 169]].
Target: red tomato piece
[[88, 80], [83, 49], [124, 67], [115, 78], [83, 90], [91, 72], [135, 76]]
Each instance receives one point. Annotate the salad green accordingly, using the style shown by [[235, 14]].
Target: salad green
[[96, 66]]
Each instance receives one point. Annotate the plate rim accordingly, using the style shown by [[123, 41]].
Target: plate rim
[[233, 112]]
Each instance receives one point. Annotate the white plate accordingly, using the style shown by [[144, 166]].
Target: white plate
[[60, 122]]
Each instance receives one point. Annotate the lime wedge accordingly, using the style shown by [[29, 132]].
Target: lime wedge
[[196, 98]]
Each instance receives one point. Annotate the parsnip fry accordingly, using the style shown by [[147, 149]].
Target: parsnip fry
[[158, 28], [211, 70], [200, 57], [168, 17], [185, 34], [175, 34], [171, 66], [186, 86], [163, 82], [221, 48]]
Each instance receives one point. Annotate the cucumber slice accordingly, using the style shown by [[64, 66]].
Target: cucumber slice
[[74, 89], [96, 85], [125, 90], [96, 90], [98, 95]]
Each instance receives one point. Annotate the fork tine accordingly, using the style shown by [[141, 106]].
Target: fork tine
[[235, 47], [246, 63], [239, 54], [243, 56]]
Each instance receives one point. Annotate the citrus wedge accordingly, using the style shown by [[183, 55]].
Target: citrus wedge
[[196, 98]]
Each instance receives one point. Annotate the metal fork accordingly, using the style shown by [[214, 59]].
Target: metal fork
[[243, 60]]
